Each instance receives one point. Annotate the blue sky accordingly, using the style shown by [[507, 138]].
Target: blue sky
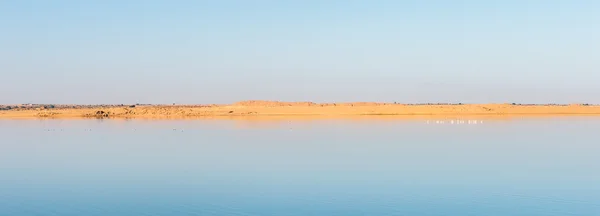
[[68, 51]]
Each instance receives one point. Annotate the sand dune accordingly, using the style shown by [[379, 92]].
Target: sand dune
[[299, 109]]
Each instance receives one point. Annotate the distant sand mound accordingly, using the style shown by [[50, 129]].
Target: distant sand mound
[[272, 103], [362, 104], [264, 103]]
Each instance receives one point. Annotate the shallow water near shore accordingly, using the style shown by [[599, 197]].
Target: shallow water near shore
[[518, 166]]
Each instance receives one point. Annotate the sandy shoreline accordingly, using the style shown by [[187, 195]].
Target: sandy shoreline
[[284, 110]]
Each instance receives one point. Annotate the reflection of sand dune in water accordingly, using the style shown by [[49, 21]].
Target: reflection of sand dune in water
[[307, 110]]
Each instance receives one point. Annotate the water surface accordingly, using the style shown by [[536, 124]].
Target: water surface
[[525, 166]]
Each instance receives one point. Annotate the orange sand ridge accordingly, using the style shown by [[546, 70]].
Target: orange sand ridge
[[298, 109]]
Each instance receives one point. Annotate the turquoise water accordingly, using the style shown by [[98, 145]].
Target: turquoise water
[[529, 166]]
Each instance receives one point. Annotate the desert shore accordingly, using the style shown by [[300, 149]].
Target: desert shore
[[296, 110]]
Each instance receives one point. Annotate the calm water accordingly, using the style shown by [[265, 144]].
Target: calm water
[[532, 166]]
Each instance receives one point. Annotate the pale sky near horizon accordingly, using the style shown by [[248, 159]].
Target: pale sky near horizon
[[469, 51]]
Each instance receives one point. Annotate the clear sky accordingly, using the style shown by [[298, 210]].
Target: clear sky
[[149, 51]]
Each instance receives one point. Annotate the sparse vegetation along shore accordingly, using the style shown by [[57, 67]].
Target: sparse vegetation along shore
[[277, 108]]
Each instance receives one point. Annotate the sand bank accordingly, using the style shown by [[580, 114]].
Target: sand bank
[[299, 110]]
